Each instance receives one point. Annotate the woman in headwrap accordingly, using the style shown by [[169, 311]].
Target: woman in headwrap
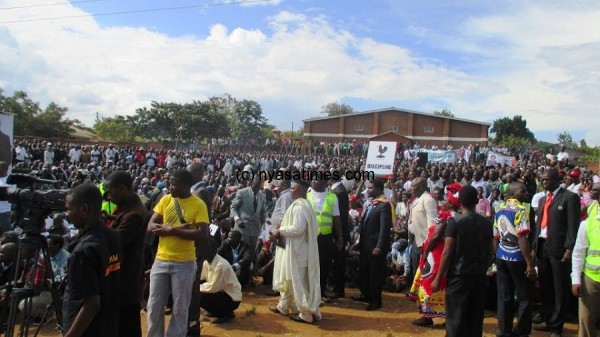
[[432, 305]]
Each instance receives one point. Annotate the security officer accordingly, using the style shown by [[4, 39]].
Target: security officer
[[585, 274], [327, 209]]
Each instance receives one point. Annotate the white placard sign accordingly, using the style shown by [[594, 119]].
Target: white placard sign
[[494, 159], [380, 158]]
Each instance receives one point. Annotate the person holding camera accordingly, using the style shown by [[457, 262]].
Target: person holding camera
[[91, 299]]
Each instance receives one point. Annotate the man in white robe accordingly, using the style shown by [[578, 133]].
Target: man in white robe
[[296, 272]]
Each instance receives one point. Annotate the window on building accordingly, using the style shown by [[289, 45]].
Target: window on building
[[359, 127], [394, 128], [429, 129]]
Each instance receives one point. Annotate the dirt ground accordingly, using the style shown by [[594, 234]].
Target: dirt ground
[[343, 317]]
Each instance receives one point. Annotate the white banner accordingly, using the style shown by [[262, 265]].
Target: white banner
[[6, 137], [494, 158], [380, 158]]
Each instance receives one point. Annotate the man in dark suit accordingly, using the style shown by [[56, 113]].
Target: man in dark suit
[[238, 254], [556, 232], [374, 245], [339, 256]]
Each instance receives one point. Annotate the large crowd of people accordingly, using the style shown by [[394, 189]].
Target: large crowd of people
[[182, 230]]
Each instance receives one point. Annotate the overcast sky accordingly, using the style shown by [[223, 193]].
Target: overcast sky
[[481, 59]]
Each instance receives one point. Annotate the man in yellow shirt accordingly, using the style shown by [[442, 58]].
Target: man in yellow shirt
[[177, 220]]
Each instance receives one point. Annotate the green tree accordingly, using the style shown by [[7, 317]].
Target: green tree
[[444, 113], [32, 120], [247, 120], [337, 109], [115, 129], [505, 127], [565, 139]]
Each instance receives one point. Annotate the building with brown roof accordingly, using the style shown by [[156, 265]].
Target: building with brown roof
[[408, 126]]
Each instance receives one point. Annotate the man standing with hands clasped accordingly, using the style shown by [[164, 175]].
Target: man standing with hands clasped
[[558, 221], [296, 271], [176, 220], [374, 244]]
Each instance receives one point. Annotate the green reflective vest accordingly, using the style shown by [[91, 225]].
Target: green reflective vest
[[325, 217], [592, 259], [107, 205]]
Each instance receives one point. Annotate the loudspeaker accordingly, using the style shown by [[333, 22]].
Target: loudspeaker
[[422, 159]]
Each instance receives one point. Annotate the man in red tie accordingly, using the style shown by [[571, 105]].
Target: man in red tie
[[558, 222]]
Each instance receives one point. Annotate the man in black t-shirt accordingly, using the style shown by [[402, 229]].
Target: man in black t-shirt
[[90, 306], [467, 254]]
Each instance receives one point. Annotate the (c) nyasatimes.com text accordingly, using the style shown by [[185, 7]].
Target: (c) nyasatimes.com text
[[271, 175]]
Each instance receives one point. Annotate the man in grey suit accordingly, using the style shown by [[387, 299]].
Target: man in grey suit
[[249, 211]]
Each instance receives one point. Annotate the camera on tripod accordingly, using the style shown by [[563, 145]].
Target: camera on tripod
[[33, 200]]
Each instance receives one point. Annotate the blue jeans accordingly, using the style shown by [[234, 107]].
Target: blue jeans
[[170, 278]]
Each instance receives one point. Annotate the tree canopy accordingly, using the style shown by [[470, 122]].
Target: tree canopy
[[337, 109], [513, 130], [565, 139], [33, 120], [444, 112]]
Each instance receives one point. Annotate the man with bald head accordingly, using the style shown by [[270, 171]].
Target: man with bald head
[[557, 224], [423, 212]]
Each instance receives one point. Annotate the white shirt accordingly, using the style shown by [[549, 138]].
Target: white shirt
[[219, 276], [481, 184], [433, 184], [579, 252], [544, 231], [20, 153], [74, 155], [48, 157], [535, 201], [318, 199], [562, 156], [574, 188], [95, 156]]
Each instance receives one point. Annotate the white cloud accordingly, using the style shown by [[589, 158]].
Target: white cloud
[[303, 62], [253, 3]]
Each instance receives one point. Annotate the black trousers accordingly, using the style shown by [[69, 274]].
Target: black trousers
[[465, 304], [194, 310], [510, 279], [415, 257], [326, 250], [372, 272], [555, 289], [219, 304], [129, 320], [339, 271]]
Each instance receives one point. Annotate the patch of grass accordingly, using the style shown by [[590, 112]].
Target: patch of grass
[[389, 332], [258, 334]]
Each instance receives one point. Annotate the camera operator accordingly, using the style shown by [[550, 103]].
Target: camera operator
[[130, 222], [91, 302]]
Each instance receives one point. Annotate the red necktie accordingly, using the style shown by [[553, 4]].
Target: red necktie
[[544, 221]]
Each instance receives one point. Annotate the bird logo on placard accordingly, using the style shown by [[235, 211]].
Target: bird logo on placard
[[382, 150]]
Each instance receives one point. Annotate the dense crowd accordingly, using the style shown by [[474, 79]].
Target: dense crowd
[[202, 234]]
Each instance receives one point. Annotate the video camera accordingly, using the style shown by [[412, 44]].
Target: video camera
[[33, 199]]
